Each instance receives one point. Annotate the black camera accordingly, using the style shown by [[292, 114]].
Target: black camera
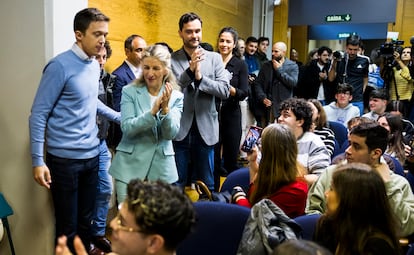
[[338, 54], [387, 49]]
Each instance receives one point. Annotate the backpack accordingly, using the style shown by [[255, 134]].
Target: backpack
[[267, 227]]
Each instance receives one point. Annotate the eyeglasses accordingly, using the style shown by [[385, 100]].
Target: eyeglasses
[[119, 225]]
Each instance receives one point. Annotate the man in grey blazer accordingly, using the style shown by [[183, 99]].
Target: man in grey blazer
[[202, 78]]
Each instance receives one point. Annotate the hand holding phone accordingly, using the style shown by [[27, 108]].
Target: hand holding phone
[[252, 137]]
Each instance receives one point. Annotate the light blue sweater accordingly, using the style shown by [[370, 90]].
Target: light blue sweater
[[64, 109]]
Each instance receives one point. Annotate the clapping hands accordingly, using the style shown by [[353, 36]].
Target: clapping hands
[[162, 101]]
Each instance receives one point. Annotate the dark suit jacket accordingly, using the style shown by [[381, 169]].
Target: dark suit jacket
[[276, 85], [199, 100], [124, 75], [308, 84]]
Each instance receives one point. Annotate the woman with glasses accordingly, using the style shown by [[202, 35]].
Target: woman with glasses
[[154, 218]]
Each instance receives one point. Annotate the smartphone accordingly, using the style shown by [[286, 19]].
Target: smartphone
[[252, 137]]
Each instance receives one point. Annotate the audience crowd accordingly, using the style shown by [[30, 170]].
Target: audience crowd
[[174, 118]]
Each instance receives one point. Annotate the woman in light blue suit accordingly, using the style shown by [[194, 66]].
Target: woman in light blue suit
[[151, 111]]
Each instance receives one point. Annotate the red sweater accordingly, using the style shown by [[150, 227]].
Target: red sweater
[[291, 198]]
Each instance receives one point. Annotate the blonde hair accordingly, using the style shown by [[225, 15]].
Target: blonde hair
[[161, 53]]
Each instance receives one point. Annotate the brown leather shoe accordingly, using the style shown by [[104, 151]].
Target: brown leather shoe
[[94, 250], [102, 243]]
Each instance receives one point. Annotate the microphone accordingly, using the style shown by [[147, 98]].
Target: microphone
[[412, 40]]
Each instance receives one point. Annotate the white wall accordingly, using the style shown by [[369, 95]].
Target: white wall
[[32, 32], [263, 21]]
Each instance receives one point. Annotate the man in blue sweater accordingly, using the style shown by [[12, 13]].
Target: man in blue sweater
[[63, 121]]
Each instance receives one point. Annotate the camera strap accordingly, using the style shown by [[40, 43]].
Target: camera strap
[[345, 69], [395, 85]]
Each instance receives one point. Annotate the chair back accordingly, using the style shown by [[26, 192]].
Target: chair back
[[398, 168], [308, 224], [5, 209], [239, 177], [410, 179], [410, 250], [340, 131], [218, 229]]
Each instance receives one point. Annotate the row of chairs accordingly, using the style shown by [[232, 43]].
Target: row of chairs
[[219, 229], [220, 226]]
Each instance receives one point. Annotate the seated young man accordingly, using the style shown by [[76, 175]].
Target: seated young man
[[378, 100], [154, 218], [367, 143], [312, 154], [342, 110]]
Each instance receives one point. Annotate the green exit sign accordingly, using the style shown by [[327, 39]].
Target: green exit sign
[[338, 18]]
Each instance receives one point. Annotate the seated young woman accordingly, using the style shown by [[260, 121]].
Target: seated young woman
[[396, 147], [278, 176], [358, 220]]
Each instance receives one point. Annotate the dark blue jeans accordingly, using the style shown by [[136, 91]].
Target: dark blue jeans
[[73, 187], [193, 149]]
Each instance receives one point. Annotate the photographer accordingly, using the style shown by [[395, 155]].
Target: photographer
[[400, 83], [351, 69]]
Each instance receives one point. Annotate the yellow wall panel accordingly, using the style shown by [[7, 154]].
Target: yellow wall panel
[[157, 20]]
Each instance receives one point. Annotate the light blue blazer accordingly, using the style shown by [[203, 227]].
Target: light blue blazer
[[146, 148]]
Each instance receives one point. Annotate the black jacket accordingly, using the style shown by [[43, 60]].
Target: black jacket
[[276, 85], [308, 84]]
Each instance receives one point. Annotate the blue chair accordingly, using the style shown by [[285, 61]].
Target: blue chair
[[5, 211], [410, 250], [239, 177], [218, 230], [341, 133], [308, 224], [337, 149], [410, 179], [398, 168]]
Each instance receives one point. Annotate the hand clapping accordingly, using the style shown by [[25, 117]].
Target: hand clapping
[[162, 101]]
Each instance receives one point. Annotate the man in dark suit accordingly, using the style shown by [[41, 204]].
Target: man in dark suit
[[128, 71], [202, 77], [275, 83]]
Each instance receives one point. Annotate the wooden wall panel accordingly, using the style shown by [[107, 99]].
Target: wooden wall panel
[[405, 20], [157, 20]]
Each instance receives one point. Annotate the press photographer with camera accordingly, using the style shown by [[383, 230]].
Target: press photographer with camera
[[395, 70], [352, 69]]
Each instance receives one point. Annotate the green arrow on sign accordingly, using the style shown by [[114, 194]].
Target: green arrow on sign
[[338, 18]]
